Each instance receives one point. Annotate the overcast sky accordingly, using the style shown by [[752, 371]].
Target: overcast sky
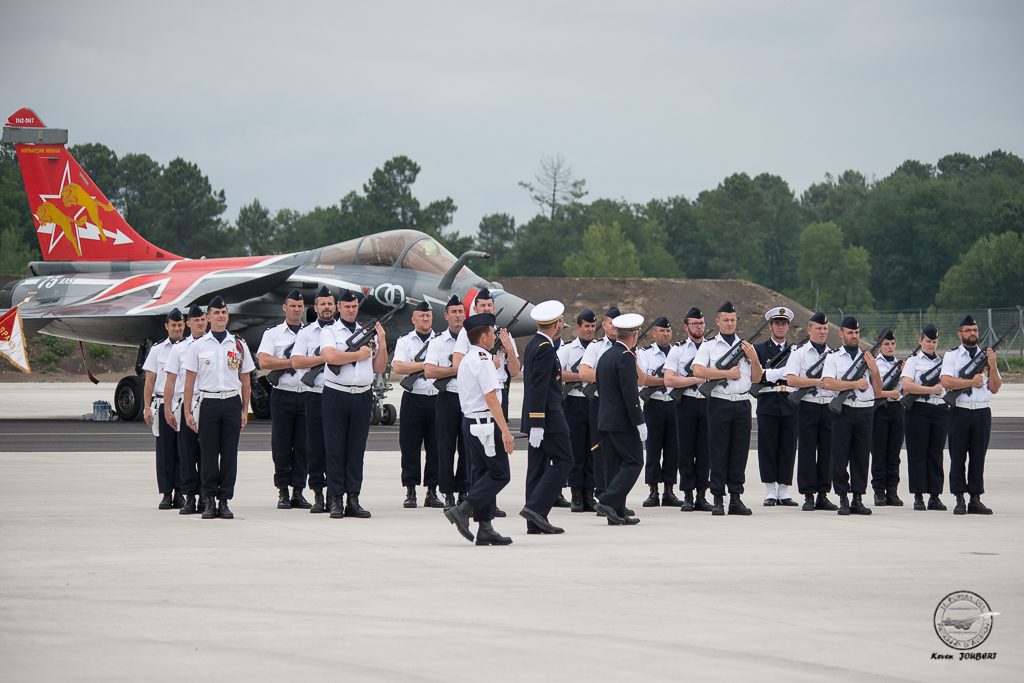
[[296, 103]]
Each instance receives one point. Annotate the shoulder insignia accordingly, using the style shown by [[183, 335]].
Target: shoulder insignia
[[543, 343], [629, 352], [483, 355]]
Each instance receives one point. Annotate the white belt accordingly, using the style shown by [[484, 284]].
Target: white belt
[[662, 397], [298, 389], [934, 400], [346, 388], [693, 393], [858, 404], [820, 400], [428, 391], [483, 416], [777, 389], [716, 393], [315, 390], [576, 393], [220, 394], [973, 406]]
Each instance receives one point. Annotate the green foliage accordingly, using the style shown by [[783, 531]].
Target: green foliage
[[831, 275], [14, 253], [991, 273], [99, 351], [48, 352], [606, 253]]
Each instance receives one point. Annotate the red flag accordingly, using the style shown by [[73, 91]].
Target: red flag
[[12, 340]]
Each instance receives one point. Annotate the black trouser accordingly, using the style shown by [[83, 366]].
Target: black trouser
[[220, 423], [452, 475], [546, 470], [728, 443], [692, 430], [188, 455], [288, 438], [624, 458], [776, 443], [969, 432], [814, 452], [577, 414], [662, 445], [168, 462], [886, 442], [490, 474], [346, 427], [926, 437], [316, 454], [600, 464], [851, 446], [417, 429]]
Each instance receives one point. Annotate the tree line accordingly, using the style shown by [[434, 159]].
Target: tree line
[[947, 234]]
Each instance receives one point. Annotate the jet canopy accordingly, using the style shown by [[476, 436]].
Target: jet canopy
[[408, 249]]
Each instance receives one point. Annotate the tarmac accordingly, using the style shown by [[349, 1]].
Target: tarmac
[[96, 583]]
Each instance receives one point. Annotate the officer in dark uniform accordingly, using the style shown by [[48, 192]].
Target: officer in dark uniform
[[550, 453], [452, 474], [488, 439], [305, 357], [287, 407], [887, 430], [588, 373], [577, 413], [218, 367], [168, 467], [662, 463], [620, 421], [776, 416], [970, 424]]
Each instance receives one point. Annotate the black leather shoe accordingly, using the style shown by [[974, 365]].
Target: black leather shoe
[[410, 497], [629, 513], [669, 499], [919, 502], [486, 535], [788, 502], [880, 500], [177, 501], [283, 501], [935, 504], [337, 506], [770, 502], [223, 511], [540, 521], [498, 512], [630, 521], [608, 512], [844, 504], [823, 503], [318, 502], [588, 500], [961, 507], [577, 500], [808, 502], [354, 509], [299, 501], [165, 502], [719, 507], [431, 500], [449, 501], [857, 507], [687, 504], [189, 508], [561, 502], [976, 507], [459, 516], [701, 504], [461, 499], [200, 504], [533, 530], [891, 499], [653, 500], [210, 508], [736, 506]]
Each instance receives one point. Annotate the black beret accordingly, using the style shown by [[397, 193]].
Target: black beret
[[294, 295], [483, 294], [195, 311], [849, 323], [586, 315], [662, 321], [727, 307], [454, 301], [968, 321], [480, 320], [325, 291], [216, 302], [422, 306], [889, 335], [694, 313], [612, 312], [930, 331], [347, 295], [174, 315], [819, 318]]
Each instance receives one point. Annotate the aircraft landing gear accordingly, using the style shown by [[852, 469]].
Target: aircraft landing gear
[[259, 399], [129, 392], [383, 413]]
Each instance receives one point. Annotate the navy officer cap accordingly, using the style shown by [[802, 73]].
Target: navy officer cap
[[930, 332], [968, 321], [454, 301], [324, 291], [216, 302], [849, 323], [422, 306], [480, 320], [174, 315], [694, 313], [819, 318], [727, 307], [195, 311], [662, 321], [586, 315], [483, 294], [294, 295], [347, 295], [612, 312]]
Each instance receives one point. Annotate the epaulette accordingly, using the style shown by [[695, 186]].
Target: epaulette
[[543, 343], [483, 355], [629, 352]]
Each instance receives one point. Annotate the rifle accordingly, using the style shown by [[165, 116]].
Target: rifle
[[365, 336], [929, 378], [409, 381], [274, 376], [309, 376], [973, 368], [728, 361], [892, 377], [854, 373], [813, 372], [566, 388], [442, 383], [643, 334], [511, 323], [647, 392], [774, 363]]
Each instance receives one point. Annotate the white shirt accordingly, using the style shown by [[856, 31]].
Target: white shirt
[[800, 361], [156, 362], [709, 353], [218, 365], [477, 377], [885, 366], [275, 341], [919, 364], [358, 374], [407, 348], [594, 352], [568, 354], [439, 353], [462, 346], [952, 363], [650, 360], [307, 341], [679, 357], [173, 366], [836, 365]]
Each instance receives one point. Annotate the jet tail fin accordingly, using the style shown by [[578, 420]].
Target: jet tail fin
[[74, 220]]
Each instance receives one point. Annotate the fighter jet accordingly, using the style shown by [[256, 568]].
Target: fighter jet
[[967, 622], [101, 281]]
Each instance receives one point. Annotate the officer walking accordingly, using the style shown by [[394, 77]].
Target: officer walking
[[887, 429], [814, 419], [776, 416], [620, 420], [217, 368], [588, 373], [691, 415], [488, 439], [577, 413], [418, 429], [550, 455], [438, 367], [970, 424], [174, 386], [662, 465], [168, 466], [729, 420], [287, 405], [310, 366], [507, 356], [348, 404]]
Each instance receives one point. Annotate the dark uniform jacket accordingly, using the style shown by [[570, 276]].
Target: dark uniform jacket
[[542, 387], [773, 403], [617, 384]]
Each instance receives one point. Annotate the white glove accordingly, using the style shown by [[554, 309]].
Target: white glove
[[774, 375], [536, 436], [642, 429]]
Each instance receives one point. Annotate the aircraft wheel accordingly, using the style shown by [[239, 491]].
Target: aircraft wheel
[[128, 398], [389, 415], [259, 401], [376, 414]]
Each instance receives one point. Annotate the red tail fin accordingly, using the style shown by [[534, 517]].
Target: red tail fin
[[74, 220]]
